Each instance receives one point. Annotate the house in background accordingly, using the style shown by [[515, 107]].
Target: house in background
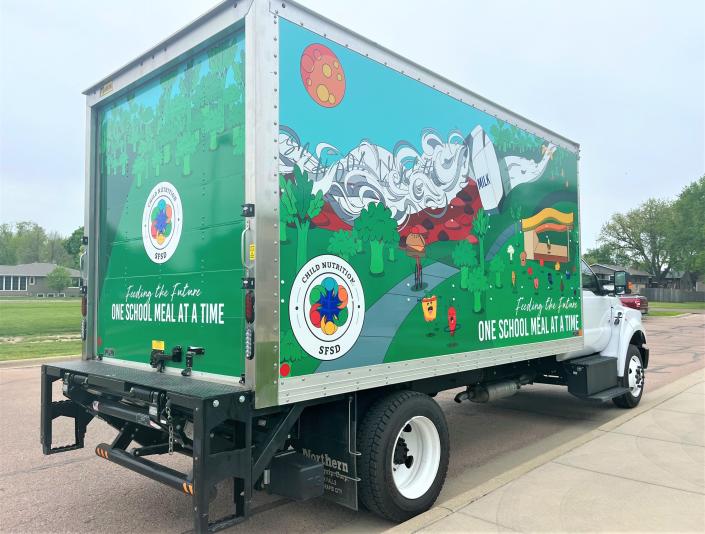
[[29, 280], [638, 280], [676, 280]]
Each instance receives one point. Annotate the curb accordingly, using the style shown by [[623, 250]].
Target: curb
[[454, 504], [35, 362]]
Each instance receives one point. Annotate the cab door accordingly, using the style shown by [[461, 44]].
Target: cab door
[[597, 312]]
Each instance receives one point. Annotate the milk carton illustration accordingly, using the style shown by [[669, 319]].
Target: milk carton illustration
[[487, 171]]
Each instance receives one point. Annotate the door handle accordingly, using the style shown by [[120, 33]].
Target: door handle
[[243, 245]]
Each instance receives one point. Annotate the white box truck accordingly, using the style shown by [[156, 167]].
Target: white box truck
[[294, 239]]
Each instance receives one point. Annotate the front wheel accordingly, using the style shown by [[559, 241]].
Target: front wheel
[[404, 446], [633, 379]]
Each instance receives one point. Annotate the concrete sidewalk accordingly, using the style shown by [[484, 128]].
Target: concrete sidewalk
[[643, 471]]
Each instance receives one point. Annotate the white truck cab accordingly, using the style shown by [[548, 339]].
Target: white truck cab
[[612, 330]]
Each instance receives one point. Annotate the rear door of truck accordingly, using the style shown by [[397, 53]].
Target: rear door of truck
[[170, 185]]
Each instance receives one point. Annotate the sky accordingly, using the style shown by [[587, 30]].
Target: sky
[[625, 79]]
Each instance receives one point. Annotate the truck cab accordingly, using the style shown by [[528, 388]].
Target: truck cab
[[615, 331]]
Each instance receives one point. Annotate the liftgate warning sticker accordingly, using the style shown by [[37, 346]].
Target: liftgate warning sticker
[[327, 307], [162, 221]]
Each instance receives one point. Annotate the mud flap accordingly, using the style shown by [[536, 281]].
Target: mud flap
[[327, 435]]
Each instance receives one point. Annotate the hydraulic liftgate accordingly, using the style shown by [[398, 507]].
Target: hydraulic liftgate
[[210, 422]]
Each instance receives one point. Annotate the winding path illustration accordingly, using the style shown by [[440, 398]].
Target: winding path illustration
[[384, 318]]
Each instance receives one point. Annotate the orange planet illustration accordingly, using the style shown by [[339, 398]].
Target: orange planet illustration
[[322, 75]]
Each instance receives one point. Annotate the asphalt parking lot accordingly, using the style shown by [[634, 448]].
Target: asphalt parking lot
[[79, 492]]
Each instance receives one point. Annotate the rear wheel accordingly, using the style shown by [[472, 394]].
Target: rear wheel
[[633, 379], [404, 446]]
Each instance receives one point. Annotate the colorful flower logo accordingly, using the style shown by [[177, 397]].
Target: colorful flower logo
[[161, 219], [329, 306], [162, 222]]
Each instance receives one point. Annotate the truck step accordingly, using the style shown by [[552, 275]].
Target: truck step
[[607, 394]]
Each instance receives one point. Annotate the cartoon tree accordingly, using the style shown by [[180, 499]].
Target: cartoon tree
[[477, 284], [155, 157], [300, 205], [213, 116], [234, 103], [376, 225], [497, 267], [342, 244], [139, 169], [480, 226], [464, 257], [186, 145], [501, 136], [516, 216], [165, 128], [358, 240]]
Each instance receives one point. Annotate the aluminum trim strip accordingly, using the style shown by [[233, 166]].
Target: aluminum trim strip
[[337, 382], [262, 178]]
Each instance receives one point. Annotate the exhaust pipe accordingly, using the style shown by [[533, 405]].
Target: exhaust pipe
[[488, 392]]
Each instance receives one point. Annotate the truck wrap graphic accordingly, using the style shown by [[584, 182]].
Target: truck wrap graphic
[[461, 228], [171, 171]]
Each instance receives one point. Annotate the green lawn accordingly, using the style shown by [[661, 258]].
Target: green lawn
[[657, 313], [38, 328], [678, 305], [39, 348]]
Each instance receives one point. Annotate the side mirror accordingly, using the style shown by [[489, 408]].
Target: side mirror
[[620, 282]]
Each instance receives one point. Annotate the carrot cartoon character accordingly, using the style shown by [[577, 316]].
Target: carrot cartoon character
[[452, 320]]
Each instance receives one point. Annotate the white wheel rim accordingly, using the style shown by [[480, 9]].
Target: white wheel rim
[[636, 376], [414, 476]]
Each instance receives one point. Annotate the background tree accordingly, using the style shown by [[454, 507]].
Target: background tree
[[480, 226], [30, 240], [376, 225], [497, 267], [8, 254], [342, 244], [465, 258], [59, 279], [603, 254], [53, 250], [300, 205], [477, 284], [687, 235], [27, 242], [74, 245], [643, 235]]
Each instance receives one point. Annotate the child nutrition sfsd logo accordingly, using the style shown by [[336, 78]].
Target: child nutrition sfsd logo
[[327, 307], [162, 221]]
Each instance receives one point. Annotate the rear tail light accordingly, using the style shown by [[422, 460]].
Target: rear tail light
[[250, 307], [249, 343], [638, 304]]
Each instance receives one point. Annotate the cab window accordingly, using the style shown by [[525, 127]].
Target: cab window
[[589, 279]]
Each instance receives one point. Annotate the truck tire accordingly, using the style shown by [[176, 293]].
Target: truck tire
[[633, 378], [404, 446]]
